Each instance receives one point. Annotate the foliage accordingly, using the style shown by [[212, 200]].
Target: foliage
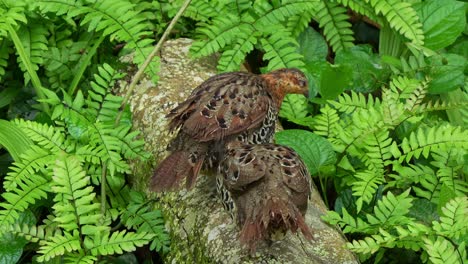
[[273, 27], [387, 120], [60, 174]]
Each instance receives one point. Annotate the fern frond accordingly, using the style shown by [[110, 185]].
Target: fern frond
[[35, 233], [118, 20], [202, 10], [231, 59], [391, 210], [32, 161], [371, 244], [59, 245], [25, 194], [357, 101], [452, 222], [270, 14], [430, 186], [378, 150], [80, 258], [365, 186], [10, 16], [361, 7], [425, 140], [117, 243], [333, 19], [221, 32], [298, 23], [325, 123], [347, 222], [141, 216], [49, 137], [4, 55], [34, 41], [131, 147], [408, 176], [441, 251], [401, 17], [75, 206], [280, 52]]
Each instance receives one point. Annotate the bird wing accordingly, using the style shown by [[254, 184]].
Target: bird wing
[[223, 105]]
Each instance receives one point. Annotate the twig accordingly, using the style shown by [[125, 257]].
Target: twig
[[148, 60]]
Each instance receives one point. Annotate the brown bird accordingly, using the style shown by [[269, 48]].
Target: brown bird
[[230, 106], [270, 187]]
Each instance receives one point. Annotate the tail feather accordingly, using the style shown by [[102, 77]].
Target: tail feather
[[172, 170], [273, 215]]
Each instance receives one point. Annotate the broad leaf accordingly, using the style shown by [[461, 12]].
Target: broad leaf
[[447, 73], [312, 46], [315, 151], [368, 72], [443, 21]]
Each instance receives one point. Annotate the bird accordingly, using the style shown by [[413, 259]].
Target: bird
[[270, 187], [233, 106]]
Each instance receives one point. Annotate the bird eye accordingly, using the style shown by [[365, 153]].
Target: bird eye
[[302, 83]]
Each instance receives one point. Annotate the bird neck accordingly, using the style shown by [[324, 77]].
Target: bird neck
[[273, 86]]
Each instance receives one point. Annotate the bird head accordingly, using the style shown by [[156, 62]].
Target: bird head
[[286, 81]]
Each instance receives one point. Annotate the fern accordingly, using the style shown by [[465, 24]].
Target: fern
[[280, 52], [33, 38], [65, 163], [425, 140], [20, 198], [325, 123], [452, 222], [119, 21], [349, 104], [442, 251], [365, 186], [30, 163], [75, 200], [298, 23], [401, 17], [118, 242], [243, 25], [140, 215], [59, 245], [336, 28]]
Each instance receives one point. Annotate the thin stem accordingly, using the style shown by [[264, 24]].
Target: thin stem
[[103, 188], [29, 67], [83, 65], [148, 60], [323, 185]]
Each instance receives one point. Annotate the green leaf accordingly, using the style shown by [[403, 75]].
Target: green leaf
[[11, 246], [294, 109], [13, 139], [316, 151], [368, 72], [443, 21], [7, 95], [423, 210], [312, 46], [447, 73], [334, 80]]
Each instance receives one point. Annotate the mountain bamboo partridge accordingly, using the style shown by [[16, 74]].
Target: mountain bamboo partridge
[[235, 106], [270, 187]]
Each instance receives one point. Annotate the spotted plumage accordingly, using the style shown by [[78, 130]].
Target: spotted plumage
[[235, 106], [270, 187]]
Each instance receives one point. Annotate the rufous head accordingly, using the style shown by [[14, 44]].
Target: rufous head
[[286, 81]]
